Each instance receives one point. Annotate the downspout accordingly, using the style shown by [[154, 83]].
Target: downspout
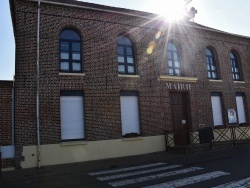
[[13, 116], [37, 87]]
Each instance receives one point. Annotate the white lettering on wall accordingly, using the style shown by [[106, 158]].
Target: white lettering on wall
[[168, 85], [178, 86]]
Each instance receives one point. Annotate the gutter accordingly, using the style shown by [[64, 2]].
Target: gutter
[[37, 87]]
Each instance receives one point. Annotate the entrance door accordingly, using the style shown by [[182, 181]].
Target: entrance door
[[179, 109]]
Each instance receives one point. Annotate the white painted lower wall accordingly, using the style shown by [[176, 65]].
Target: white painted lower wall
[[70, 152]]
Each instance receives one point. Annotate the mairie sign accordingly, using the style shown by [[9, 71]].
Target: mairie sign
[[178, 86]]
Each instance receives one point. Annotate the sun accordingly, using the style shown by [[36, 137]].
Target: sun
[[171, 10]]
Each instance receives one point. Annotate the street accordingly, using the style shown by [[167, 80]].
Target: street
[[225, 167]]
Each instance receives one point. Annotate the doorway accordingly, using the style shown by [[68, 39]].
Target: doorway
[[179, 110]]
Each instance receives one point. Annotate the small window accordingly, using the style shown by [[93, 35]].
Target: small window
[[70, 51], [129, 113], [211, 64], [173, 60], [235, 66], [125, 53], [217, 109], [72, 115]]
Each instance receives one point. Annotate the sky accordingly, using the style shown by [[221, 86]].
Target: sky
[[232, 16]]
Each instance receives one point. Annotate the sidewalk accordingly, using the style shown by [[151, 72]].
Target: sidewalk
[[88, 166]]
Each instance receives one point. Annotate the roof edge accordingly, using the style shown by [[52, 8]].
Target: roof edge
[[105, 8], [217, 31], [6, 81], [11, 4]]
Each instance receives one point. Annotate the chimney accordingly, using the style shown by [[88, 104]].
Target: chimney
[[191, 14]]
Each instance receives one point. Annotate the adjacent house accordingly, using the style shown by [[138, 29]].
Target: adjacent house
[[7, 124]]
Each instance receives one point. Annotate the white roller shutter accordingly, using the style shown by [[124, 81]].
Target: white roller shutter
[[129, 114], [217, 111], [72, 119], [240, 109]]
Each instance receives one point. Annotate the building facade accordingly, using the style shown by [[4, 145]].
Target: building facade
[[95, 82]]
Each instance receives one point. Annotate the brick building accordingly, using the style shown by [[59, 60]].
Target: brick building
[[95, 82], [6, 124]]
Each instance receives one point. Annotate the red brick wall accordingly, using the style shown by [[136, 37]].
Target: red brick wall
[[101, 85], [6, 118], [6, 112]]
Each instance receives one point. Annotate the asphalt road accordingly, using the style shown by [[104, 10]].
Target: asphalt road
[[225, 167]]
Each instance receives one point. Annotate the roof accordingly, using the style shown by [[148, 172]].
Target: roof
[[98, 6], [118, 10]]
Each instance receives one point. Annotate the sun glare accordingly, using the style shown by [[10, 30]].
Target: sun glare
[[171, 10]]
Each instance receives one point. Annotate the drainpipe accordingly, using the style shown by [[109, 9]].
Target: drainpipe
[[13, 117], [37, 87]]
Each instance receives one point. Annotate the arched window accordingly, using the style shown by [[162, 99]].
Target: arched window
[[125, 52], [70, 51], [173, 60], [211, 64], [235, 66]]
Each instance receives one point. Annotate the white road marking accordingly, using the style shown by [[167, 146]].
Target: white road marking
[[138, 172], [243, 183], [189, 180], [152, 177], [125, 169]]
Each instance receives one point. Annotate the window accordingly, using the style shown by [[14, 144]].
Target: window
[[216, 108], [129, 113], [240, 107], [235, 66], [125, 52], [72, 115], [211, 64], [70, 51], [173, 60]]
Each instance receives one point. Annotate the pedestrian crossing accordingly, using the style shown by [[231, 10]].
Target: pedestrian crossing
[[240, 183], [163, 175], [125, 169], [153, 177], [189, 180], [137, 173]]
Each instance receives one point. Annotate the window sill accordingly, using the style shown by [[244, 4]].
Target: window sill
[[132, 139], [239, 82], [128, 76], [73, 143], [210, 80], [71, 74], [220, 127], [177, 78]]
